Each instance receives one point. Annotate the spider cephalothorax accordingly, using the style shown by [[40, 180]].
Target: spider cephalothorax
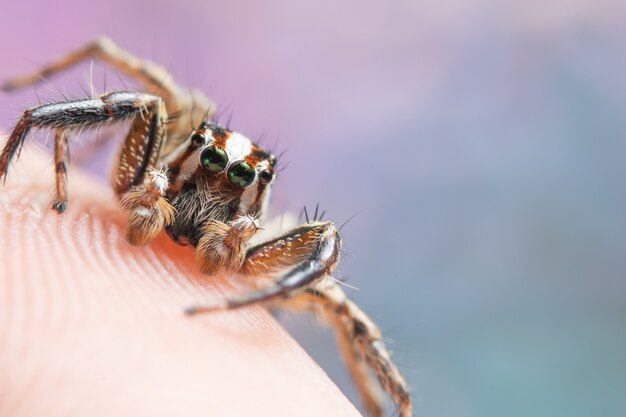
[[217, 174], [209, 187]]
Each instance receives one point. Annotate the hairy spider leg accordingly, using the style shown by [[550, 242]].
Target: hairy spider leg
[[308, 253], [61, 154], [360, 343], [186, 107], [141, 148]]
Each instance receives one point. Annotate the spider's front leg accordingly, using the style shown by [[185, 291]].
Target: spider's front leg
[[140, 187], [309, 254], [224, 245], [142, 146], [149, 211], [299, 258]]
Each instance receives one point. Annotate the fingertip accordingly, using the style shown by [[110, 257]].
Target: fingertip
[[98, 319]]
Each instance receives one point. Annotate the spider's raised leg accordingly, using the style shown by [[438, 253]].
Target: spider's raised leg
[[141, 148], [189, 105]]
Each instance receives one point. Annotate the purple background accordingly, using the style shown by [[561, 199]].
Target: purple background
[[483, 144]]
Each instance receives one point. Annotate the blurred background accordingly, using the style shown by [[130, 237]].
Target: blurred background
[[482, 143]]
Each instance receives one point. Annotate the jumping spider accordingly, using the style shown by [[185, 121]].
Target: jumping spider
[[208, 187]]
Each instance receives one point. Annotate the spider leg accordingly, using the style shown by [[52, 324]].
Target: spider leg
[[360, 343], [60, 170], [153, 76], [368, 391], [149, 210], [307, 254], [223, 245], [141, 148], [189, 105]]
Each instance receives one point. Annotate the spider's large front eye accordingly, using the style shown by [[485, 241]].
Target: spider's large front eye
[[241, 174], [214, 159]]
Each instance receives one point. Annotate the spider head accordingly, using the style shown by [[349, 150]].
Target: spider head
[[233, 170]]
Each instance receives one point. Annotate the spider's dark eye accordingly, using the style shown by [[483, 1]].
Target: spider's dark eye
[[197, 139], [214, 159], [265, 176], [241, 174]]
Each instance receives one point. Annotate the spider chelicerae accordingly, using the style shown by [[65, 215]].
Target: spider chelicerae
[[208, 187]]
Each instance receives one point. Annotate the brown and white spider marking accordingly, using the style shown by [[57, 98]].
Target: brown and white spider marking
[[209, 187]]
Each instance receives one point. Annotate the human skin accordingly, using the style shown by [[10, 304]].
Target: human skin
[[92, 326]]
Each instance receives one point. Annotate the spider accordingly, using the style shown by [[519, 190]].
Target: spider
[[208, 187]]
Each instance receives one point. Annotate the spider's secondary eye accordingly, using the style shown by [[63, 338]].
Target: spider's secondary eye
[[241, 174], [197, 139], [214, 159], [265, 176]]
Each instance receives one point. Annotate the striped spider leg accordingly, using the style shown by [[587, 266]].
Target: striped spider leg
[[184, 106], [301, 261], [208, 187]]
